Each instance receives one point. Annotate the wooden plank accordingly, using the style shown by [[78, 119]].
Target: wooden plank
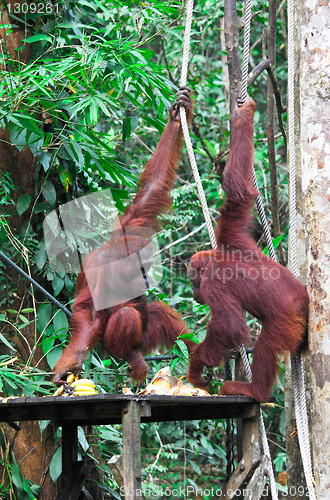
[[116, 466], [107, 408], [132, 450], [255, 487], [249, 480], [85, 495], [240, 477]]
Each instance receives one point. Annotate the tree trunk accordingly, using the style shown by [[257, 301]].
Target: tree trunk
[[232, 24], [32, 453], [315, 181], [293, 457]]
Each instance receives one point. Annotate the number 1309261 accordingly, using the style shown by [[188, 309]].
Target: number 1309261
[[33, 8]]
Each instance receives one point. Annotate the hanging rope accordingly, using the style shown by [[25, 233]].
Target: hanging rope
[[296, 362], [246, 49], [262, 215], [185, 130], [297, 368], [185, 60], [247, 367], [229, 428], [262, 428]]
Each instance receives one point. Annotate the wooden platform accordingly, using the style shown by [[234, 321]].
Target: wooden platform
[[107, 408], [130, 411]]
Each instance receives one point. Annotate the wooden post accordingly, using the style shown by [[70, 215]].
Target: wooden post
[[69, 451], [131, 419], [239, 375], [250, 438], [250, 472]]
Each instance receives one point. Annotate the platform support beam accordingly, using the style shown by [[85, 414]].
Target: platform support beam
[[69, 451], [131, 420]]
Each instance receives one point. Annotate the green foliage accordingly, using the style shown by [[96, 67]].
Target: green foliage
[[16, 380], [6, 188], [25, 489]]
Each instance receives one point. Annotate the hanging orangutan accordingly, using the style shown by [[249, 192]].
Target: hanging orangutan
[[238, 277], [101, 311]]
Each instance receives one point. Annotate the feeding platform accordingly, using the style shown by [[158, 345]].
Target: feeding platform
[[130, 410]]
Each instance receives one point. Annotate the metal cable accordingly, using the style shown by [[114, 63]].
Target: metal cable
[[36, 285]]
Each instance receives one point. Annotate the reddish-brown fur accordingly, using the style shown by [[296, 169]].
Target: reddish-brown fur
[[238, 277], [131, 328]]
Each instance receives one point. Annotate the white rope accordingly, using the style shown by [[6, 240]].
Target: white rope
[[265, 227], [297, 368], [246, 49], [185, 130], [246, 55]]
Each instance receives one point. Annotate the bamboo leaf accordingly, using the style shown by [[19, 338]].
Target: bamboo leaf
[[38, 38]]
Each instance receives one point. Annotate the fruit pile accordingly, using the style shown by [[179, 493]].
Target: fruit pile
[[76, 387]]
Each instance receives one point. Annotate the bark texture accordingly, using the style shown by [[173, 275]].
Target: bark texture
[[32, 453], [294, 467], [315, 182]]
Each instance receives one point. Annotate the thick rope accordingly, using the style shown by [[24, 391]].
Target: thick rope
[[246, 56], [246, 49], [297, 368], [262, 427], [205, 209], [185, 130], [262, 215]]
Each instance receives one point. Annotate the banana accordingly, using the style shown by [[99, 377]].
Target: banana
[[70, 378], [85, 388], [78, 392], [59, 390], [83, 382]]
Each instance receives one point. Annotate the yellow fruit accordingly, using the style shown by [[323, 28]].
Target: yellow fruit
[[70, 378], [84, 393], [59, 391], [84, 388], [83, 382]]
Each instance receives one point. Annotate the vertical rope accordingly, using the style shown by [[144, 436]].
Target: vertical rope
[[246, 48], [292, 149], [265, 227], [269, 242], [297, 368], [229, 428], [198, 181], [201, 193], [186, 44], [185, 130]]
